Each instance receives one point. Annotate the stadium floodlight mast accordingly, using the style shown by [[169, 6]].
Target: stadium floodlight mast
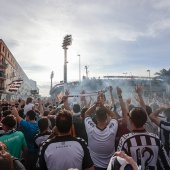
[[66, 42]]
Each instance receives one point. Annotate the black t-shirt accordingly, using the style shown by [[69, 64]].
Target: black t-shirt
[[79, 127]]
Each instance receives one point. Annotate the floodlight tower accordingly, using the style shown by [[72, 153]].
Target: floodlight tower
[[66, 42]]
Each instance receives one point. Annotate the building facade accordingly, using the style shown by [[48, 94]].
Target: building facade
[[10, 71]]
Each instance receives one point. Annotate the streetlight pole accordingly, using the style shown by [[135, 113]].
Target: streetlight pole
[[52, 76], [66, 42], [79, 69], [150, 82]]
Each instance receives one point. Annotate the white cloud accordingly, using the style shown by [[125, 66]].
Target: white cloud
[[112, 38]]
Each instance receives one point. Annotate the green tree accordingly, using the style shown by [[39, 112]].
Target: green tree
[[164, 75]]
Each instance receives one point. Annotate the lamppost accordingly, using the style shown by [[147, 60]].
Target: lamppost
[[150, 82], [52, 76], [79, 69], [66, 42]]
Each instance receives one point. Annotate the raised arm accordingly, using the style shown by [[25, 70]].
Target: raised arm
[[100, 103], [111, 96], [154, 115], [91, 110], [122, 104], [15, 113], [90, 102], [138, 90], [127, 103], [83, 100], [65, 100]]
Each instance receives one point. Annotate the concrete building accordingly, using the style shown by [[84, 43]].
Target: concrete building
[[10, 70]]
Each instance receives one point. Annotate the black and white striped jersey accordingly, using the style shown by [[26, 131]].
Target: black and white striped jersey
[[146, 149], [64, 152], [164, 134]]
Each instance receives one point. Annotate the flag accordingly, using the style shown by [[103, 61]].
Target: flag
[[13, 89], [14, 86], [60, 95]]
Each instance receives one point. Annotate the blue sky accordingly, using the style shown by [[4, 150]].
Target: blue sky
[[112, 37]]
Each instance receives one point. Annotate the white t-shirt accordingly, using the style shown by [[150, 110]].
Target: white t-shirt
[[28, 107], [101, 142]]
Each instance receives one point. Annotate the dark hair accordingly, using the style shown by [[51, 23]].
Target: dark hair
[[43, 124], [28, 100], [101, 114], [7, 112], [76, 108], [148, 110], [31, 114], [4, 108], [63, 121], [21, 113], [9, 121], [138, 116], [46, 112]]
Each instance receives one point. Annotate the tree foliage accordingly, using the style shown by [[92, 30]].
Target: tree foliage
[[164, 75]]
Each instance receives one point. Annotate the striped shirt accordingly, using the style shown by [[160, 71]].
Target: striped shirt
[[164, 134], [146, 149]]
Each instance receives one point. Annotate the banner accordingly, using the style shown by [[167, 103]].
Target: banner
[[14, 86], [91, 94]]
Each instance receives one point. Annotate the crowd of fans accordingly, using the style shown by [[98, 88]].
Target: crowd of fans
[[91, 133]]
